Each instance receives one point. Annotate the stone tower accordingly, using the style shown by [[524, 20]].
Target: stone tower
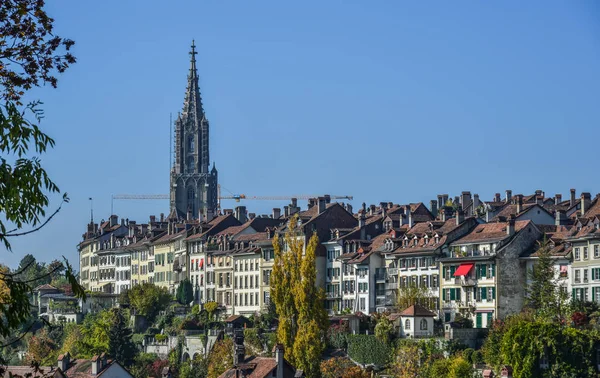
[[193, 187]]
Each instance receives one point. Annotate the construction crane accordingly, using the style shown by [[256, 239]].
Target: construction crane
[[235, 197]]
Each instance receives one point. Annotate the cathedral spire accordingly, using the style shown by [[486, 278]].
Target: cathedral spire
[[192, 106]]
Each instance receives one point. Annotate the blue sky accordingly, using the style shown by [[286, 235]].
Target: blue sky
[[385, 101]]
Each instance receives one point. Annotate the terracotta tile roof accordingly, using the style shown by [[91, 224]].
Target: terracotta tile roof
[[252, 237], [27, 371], [233, 230], [511, 210], [594, 209], [255, 367], [417, 310], [168, 237], [490, 232]]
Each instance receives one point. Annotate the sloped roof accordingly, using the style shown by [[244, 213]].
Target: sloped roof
[[490, 232], [417, 310]]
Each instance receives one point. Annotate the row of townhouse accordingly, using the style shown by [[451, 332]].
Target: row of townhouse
[[470, 256]]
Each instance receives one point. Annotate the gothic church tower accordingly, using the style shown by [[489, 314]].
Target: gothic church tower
[[193, 187]]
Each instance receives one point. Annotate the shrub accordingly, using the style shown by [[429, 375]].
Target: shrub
[[160, 337], [270, 339], [477, 357], [337, 336], [468, 354], [367, 349]]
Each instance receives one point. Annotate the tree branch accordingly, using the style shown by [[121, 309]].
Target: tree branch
[[37, 228], [20, 337]]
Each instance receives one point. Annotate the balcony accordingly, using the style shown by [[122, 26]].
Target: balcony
[[474, 253], [380, 275], [391, 286], [176, 266], [333, 295], [388, 301], [392, 271]]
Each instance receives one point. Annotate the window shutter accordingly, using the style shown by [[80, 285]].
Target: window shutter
[[493, 270], [458, 294], [493, 293], [444, 294], [444, 273], [452, 271], [573, 296], [483, 270], [478, 271], [484, 292]]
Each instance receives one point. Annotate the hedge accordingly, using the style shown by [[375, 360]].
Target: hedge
[[367, 350]]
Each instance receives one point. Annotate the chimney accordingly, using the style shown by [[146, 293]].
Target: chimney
[[311, 203], [586, 200], [96, 365], [122, 222], [440, 200], [409, 216], [443, 213], [372, 209], [286, 211], [362, 222], [510, 225], [465, 199], [519, 203], [114, 220], [276, 213], [239, 351], [364, 207], [349, 208], [322, 203], [476, 202], [508, 195], [390, 205], [279, 359], [433, 207], [572, 198], [294, 204], [497, 197], [253, 215], [560, 217], [460, 216], [539, 199], [557, 198], [240, 214], [327, 198], [63, 361], [153, 218], [444, 199]]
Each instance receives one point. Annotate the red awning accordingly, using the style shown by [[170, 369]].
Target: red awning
[[463, 270], [201, 263]]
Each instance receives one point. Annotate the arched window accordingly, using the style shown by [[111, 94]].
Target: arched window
[[191, 199], [191, 144], [423, 324], [407, 325], [190, 164]]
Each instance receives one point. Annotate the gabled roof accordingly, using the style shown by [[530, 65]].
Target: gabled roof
[[490, 232], [45, 287]]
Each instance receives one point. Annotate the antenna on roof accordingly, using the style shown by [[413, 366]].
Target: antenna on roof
[[91, 210]]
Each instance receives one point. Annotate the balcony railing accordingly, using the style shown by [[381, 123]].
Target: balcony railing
[[385, 301], [474, 253], [392, 271], [331, 295]]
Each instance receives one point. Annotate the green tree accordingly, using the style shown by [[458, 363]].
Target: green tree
[[545, 295], [298, 301], [142, 365], [30, 55], [413, 294], [220, 358], [41, 348], [185, 292], [148, 300], [384, 330], [95, 333], [211, 307], [460, 368], [120, 344]]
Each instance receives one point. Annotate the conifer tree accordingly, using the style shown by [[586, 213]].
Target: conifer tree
[[120, 344], [545, 296]]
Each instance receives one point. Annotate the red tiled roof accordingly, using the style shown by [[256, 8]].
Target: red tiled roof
[[417, 310], [256, 367], [490, 232], [46, 287]]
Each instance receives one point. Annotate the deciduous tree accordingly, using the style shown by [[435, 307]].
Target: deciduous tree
[[298, 301], [220, 358], [148, 299]]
